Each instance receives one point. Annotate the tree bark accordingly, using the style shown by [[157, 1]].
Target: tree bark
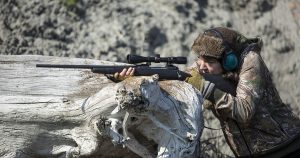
[[50, 112]]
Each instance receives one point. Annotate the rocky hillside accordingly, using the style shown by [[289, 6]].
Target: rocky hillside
[[110, 29]]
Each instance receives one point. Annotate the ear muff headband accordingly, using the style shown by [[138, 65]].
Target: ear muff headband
[[229, 59]]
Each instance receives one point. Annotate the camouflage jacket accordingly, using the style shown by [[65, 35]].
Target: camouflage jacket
[[255, 121]]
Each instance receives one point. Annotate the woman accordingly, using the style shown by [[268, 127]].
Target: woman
[[255, 121]]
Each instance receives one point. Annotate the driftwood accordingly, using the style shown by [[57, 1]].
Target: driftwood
[[76, 113]]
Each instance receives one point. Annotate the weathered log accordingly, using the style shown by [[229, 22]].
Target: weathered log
[[76, 113], [39, 107]]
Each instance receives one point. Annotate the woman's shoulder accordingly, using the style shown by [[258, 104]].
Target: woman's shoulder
[[251, 55]]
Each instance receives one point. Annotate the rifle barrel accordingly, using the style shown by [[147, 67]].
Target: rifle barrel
[[81, 66]]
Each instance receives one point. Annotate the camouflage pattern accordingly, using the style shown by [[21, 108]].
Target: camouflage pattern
[[255, 121]]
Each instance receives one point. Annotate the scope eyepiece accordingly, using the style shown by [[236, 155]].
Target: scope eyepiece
[[133, 59]]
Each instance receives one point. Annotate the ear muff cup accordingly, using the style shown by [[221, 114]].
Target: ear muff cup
[[230, 61]]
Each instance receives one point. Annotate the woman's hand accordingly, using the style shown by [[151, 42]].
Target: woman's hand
[[124, 74]]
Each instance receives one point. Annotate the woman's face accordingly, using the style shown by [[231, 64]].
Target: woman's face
[[209, 65]]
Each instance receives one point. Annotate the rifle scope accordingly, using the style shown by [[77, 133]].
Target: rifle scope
[[133, 59]]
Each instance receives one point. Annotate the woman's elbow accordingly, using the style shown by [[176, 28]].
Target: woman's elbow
[[244, 111]]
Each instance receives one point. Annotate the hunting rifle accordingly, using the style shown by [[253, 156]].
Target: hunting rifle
[[169, 72]]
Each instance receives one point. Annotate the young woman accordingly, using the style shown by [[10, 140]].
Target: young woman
[[255, 121]]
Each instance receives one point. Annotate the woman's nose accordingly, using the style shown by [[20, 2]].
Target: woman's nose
[[203, 66]]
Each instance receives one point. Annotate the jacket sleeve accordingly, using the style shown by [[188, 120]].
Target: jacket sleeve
[[242, 106]]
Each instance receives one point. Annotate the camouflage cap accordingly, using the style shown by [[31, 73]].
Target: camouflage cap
[[212, 45]]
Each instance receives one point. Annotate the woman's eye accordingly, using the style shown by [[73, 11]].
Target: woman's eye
[[211, 61]]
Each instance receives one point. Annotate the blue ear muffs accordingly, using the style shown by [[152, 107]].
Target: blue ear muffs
[[230, 61]]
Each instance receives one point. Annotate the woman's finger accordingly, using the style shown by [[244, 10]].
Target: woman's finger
[[128, 71], [123, 73], [132, 72], [116, 75]]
